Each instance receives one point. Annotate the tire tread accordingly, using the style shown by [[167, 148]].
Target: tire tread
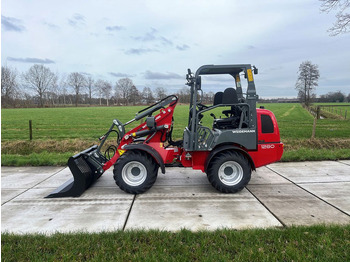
[[151, 174]]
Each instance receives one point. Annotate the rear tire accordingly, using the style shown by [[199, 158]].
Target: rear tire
[[229, 172], [135, 172]]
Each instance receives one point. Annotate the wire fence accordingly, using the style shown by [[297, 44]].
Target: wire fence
[[330, 111]]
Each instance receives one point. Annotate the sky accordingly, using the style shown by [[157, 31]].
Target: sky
[[155, 42]]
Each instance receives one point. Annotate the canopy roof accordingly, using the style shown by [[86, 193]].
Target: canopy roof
[[222, 69]]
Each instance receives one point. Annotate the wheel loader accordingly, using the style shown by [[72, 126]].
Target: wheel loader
[[234, 144]]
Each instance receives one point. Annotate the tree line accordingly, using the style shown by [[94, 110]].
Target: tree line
[[40, 87], [307, 81]]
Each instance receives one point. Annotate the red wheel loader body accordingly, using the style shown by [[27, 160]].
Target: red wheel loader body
[[244, 139]]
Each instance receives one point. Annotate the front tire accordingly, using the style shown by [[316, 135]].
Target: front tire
[[135, 172], [229, 172]]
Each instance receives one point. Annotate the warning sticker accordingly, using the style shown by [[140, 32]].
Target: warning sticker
[[250, 75]]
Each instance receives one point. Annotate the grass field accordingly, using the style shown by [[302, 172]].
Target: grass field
[[316, 243], [60, 132]]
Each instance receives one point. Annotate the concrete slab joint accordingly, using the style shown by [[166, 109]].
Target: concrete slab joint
[[281, 194]]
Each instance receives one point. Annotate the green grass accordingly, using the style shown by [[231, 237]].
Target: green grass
[[54, 126], [310, 154], [316, 243], [36, 159], [91, 122]]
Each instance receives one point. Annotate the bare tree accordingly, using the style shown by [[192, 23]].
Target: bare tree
[[184, 95], [9, 85], [63, 89], [90, 84], [123, 87], [208, 98], [337, 96], [147, 95], [307, 81], [99, 89], [77, 81], [160, 93], [40, 79], [134, 96], [342, 24], [107, 90]]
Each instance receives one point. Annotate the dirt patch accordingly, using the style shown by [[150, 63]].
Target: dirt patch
[[23, 147], [329, 143], [287, 113]]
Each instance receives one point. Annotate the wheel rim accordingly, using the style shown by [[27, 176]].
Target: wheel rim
[[134, 173], [230, 173]]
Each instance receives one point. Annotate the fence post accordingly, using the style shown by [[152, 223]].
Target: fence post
[[30, 130], [318, 112], [345, 113], [314, 128]]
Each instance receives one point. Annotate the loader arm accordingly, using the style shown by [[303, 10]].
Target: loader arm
[[88, 165]]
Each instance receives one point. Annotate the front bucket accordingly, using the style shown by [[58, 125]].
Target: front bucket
[[84, 175]]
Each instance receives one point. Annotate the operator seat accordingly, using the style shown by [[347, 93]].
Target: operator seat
[[218, 98], [229, 97]]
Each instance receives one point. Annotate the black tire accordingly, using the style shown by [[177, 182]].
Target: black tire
[[135, 172], [229, 172]]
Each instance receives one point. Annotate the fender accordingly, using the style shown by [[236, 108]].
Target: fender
[[149, 150], [227, 147]]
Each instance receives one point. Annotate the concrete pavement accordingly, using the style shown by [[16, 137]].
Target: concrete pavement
[[280, 194]]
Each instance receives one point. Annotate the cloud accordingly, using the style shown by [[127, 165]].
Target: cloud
[[165, 41], [139, 51], [157, 75], [182, 47], [149, 36], [77, 20], [119, 74], [51, 26], [152, 36], [114, 28], [11, 24], [31, 60]]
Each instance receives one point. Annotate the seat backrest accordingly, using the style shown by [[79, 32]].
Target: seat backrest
[[229, 96], [218, 98]]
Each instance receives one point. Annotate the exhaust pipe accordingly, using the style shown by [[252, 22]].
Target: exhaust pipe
[[86, 168]]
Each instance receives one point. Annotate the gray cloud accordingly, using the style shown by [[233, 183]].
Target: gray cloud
[[157, 75], [139, 51], [165, 41], [119, 74], [182, 47], [76, 20], [114, 28], [31, 60], [51, 26], [152, 36], [149, 36], [11, 24]]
